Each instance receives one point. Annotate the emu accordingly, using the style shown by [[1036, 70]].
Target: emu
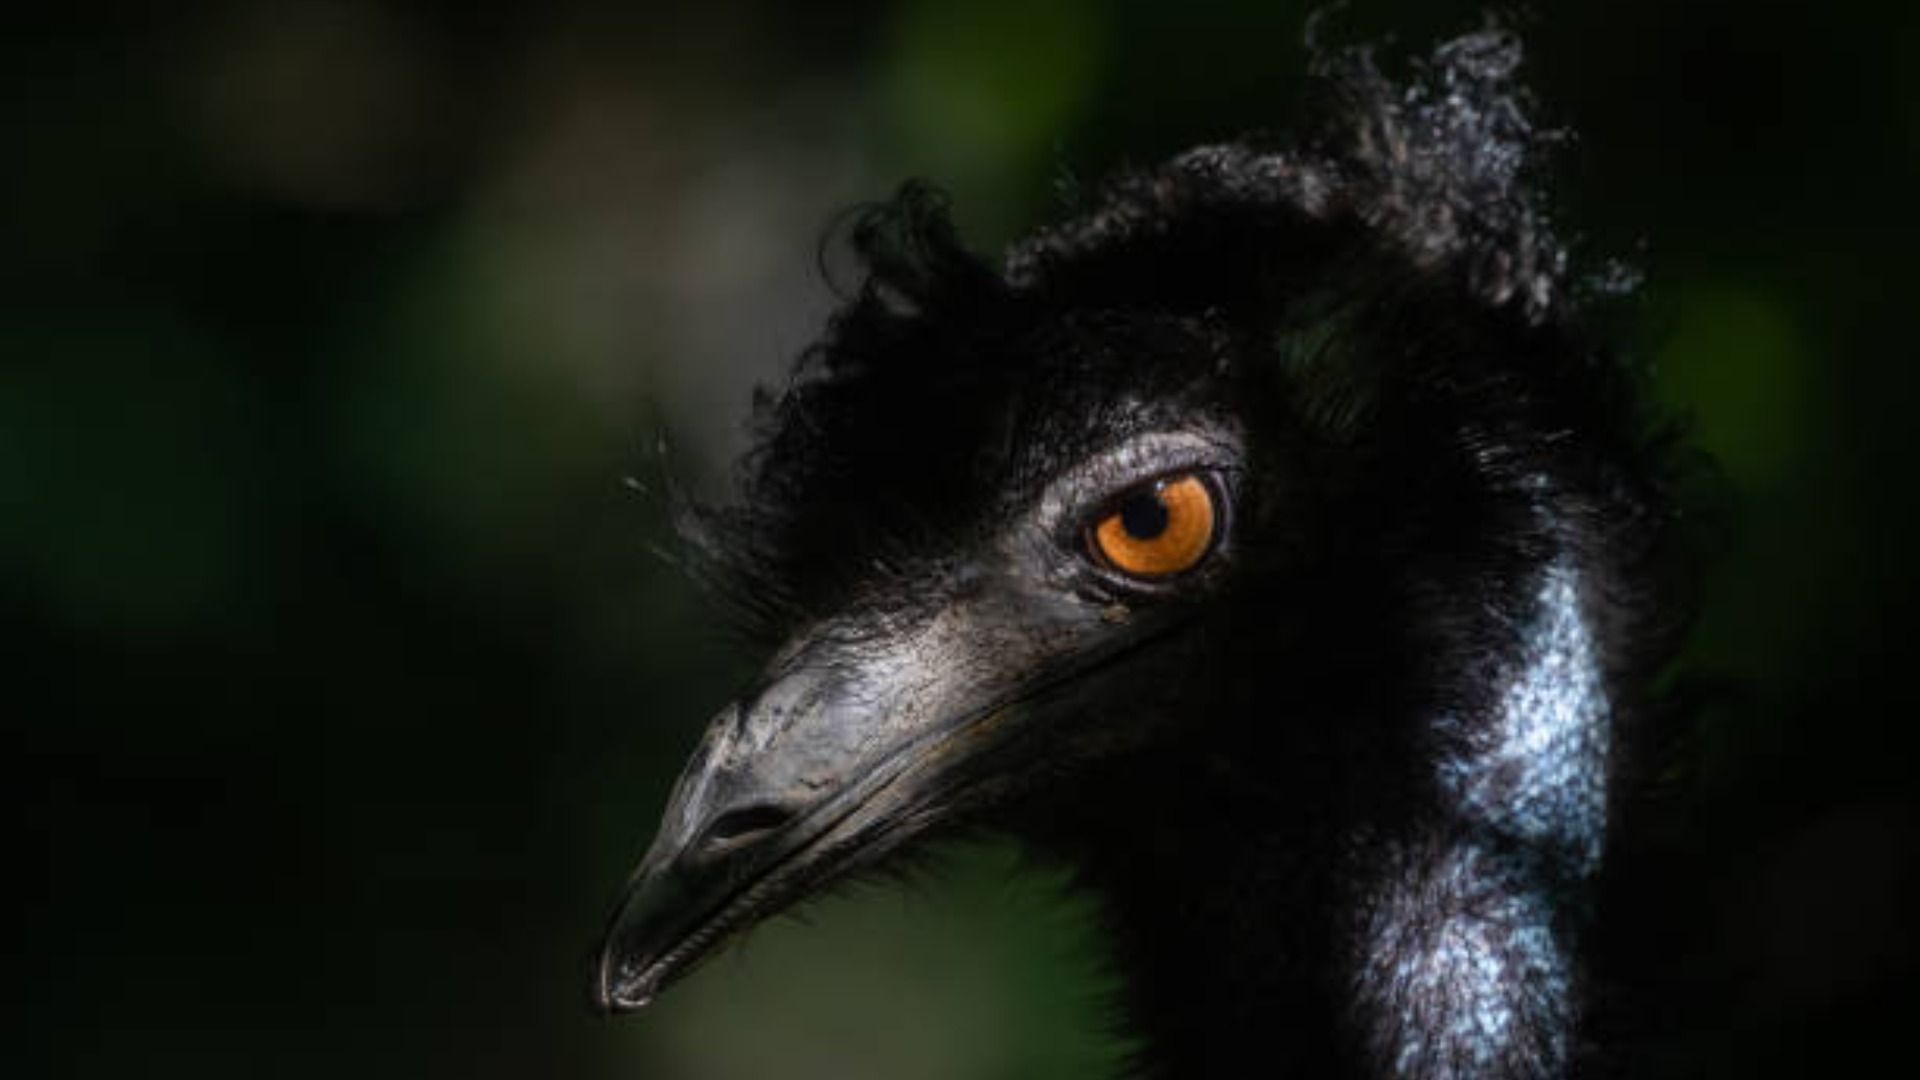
[[1278, 541]]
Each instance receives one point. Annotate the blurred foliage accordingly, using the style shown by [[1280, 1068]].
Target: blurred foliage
[[349, 678]]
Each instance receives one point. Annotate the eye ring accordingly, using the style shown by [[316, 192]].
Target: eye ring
[[1158, 530]]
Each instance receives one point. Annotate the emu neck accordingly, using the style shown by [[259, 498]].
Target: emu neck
[[1405, 900]]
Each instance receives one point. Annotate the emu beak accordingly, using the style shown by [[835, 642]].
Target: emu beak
[[861, 738], [795, 785]]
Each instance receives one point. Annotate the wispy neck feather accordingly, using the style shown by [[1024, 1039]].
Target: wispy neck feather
[[1465, 964]]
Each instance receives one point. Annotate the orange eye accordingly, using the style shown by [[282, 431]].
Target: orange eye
[[1158, 530]]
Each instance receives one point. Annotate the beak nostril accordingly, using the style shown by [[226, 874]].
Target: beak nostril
[[758, 818]]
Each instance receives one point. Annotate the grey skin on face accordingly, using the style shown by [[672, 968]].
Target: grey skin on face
[[866, 730]]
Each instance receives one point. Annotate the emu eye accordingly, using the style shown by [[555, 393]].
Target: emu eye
[[1159, 529]]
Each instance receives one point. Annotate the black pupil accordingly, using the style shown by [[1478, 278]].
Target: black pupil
[[1144, 516]]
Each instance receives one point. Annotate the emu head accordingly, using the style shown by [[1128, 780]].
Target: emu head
[[1214, 486]]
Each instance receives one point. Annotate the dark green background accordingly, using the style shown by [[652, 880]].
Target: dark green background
[[346, 681]]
